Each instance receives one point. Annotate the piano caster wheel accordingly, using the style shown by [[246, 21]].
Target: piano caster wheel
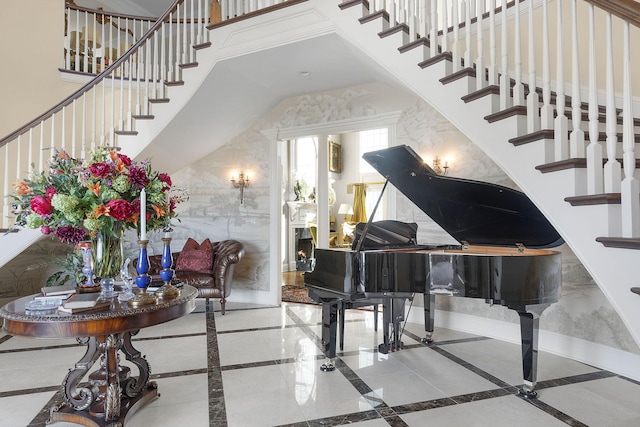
[[427, 340], [327, 367], [527, 394]]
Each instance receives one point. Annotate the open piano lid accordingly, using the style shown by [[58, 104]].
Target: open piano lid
[[475, 212]]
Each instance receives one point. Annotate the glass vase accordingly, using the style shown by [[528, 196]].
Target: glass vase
[[107, 262]]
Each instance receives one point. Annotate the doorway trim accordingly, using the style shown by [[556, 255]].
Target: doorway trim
[[277, 142]]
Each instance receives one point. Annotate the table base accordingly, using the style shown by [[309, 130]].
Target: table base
[[128, 407]]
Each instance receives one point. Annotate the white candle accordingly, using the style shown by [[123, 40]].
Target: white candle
[[143, 214]]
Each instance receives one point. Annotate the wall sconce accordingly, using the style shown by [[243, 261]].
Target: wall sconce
[[242, 182], [438, 168]]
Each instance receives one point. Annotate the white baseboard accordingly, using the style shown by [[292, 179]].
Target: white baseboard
[[614, 360]]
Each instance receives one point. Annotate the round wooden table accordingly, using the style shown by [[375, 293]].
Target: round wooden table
[[112, 393]]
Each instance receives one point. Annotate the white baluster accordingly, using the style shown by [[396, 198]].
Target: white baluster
[[612, 169], [493, 65], [84, 119], [455, 46], [18, 159], [41, 150], [533, 101], [433, 35], [185, 34], [103, 110], [630, 188], [518, 88], [505, 80], [170, 74], [63, 129], [5, 187], [595, 180], [52, 139], [561, 123], [468, 54], [30, 156], [546, 112], [481, 80], [576, 140], [445, 26], [192, 26], [73, 127]]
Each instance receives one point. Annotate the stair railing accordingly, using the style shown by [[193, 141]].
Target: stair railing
[[94, 38], [111, 103], [587, 84]]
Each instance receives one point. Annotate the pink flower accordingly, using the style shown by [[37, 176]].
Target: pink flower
[[164, 177], [100, 169], [41, 205], [124, 159], [138, 177], [45, 229], [120, 209], [51, 192]]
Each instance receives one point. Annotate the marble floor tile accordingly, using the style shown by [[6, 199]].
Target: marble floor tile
[[260, 366], [603, 402], [505, 411]]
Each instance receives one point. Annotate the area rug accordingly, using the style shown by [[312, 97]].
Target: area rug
[[296, 293]]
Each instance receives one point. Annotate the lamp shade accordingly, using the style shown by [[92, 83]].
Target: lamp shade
[[345, 209]]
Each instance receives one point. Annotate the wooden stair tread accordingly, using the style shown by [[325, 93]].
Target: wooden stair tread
[[636, 290], [595, 199], [126, 132], [188, 65], [143, 116], [620, 242], [158, 100], [175, 83]]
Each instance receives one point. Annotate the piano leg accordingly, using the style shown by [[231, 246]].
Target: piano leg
[[429, 317], [392, 318], [329, 328], [529, 321]]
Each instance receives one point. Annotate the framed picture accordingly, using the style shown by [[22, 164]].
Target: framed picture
[[335, 157]]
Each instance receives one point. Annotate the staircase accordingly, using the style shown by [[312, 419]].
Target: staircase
[[552, 145], [569, 144]]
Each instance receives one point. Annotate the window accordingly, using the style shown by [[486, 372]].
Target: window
[[304, 164]]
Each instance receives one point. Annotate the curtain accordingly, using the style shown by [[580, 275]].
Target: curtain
[[359, 203]]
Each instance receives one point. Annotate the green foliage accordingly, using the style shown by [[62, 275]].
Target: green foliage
[[69, 270]]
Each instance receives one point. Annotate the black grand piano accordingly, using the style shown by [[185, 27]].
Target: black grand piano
[[503, 257]]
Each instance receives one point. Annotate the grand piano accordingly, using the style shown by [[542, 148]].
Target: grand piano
[[503, 257]]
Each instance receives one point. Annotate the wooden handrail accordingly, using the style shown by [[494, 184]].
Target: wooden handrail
[[110, 14], [629, 10], [94, 81]]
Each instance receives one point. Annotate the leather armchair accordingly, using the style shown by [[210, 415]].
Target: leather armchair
[[217, 283]]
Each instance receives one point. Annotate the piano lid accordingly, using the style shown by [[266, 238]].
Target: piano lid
[[475, 212]]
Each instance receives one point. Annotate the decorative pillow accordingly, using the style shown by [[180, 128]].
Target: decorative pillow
[[195, 257]]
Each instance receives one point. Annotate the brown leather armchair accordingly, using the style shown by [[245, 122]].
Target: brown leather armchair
[[217, 284]]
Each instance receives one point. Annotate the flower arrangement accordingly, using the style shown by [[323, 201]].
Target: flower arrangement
[[77, 199]]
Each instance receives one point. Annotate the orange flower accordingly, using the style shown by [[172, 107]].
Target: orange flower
[[101, 210], [159, 211], [119, 166], [113, 154], [95, 188], [133, 219], [63, 155], [22, 188]]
